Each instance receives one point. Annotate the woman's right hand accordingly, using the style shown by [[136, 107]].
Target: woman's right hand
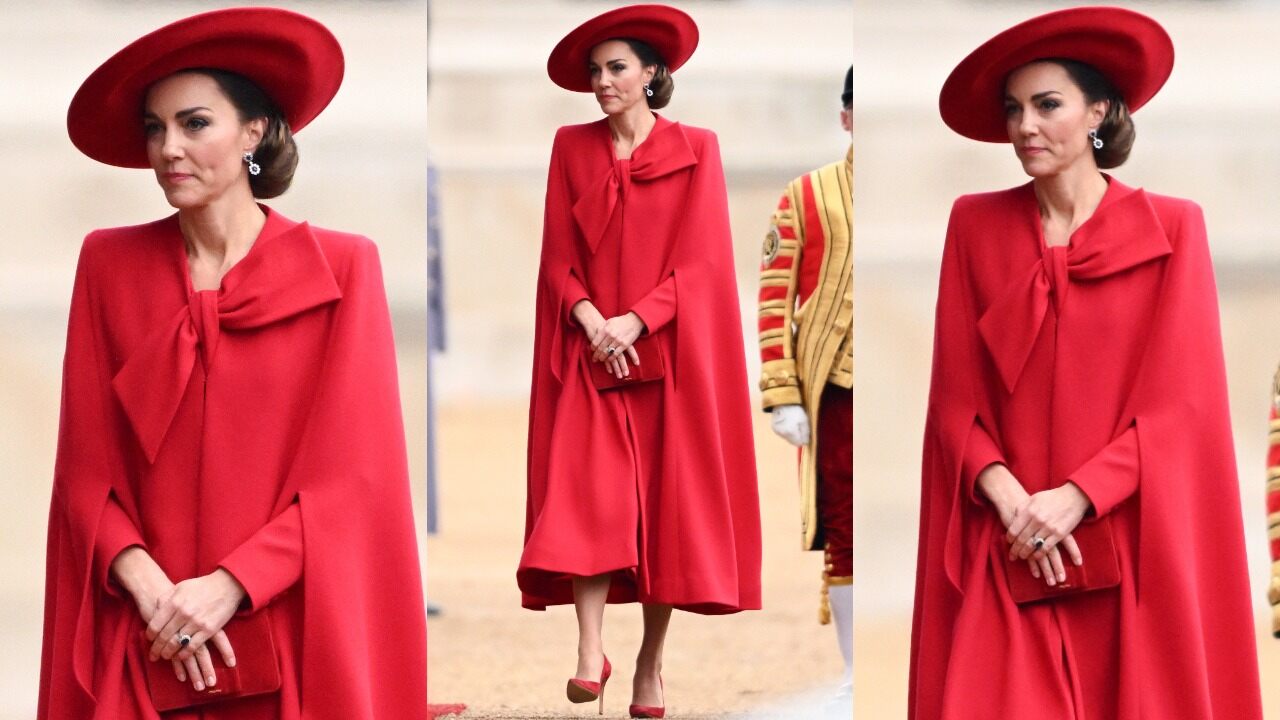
[[594, 324], [148, 585]]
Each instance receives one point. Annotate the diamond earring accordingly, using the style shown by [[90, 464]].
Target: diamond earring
[[647, 91], [1097, 141], [254, 168]]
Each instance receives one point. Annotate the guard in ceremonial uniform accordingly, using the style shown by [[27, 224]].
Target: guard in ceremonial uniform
[[806, 349], [1273, 504]]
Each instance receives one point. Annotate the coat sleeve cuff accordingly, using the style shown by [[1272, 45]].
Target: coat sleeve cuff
[[657, 308], [574, 292], [979, 452], [270, 562], [116, 533], [779, 384], [1111, 476]]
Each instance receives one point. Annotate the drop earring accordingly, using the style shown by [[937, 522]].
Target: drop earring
[[647, 90], [254, 168], [1097, 141]]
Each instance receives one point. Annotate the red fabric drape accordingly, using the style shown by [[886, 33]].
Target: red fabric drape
[[1099, 363], [655, 483], [258, 428]]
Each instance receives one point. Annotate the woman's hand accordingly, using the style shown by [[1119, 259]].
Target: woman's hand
[[138, 573], [198, 607], [588, 317], [617, 335], [1014, 505], [1049, 516]]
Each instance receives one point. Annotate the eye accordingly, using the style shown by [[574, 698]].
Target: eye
[[151, 128], [195, 123], [617, 67], [1010, 109], [1048, 104], [595, 70]]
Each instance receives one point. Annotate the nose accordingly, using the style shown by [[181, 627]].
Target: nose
[[171, 146], [1028, 126]]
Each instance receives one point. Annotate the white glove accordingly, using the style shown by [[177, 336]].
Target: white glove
[[791, 422]]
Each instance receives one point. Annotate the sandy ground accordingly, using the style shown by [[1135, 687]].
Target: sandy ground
[[506, 662]]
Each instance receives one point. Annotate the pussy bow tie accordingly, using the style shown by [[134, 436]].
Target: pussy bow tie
[[282, 276], [1120, 235], [664, 152]]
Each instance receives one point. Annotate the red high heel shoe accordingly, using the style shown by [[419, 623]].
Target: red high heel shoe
[[580, 691], [642, 711]]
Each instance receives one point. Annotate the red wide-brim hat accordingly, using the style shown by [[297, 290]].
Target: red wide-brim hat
[[671, 32], [294, 59], [1130, 49]]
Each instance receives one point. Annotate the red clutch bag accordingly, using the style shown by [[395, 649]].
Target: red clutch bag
[[257, 669], [650, 367], [1100, 570]]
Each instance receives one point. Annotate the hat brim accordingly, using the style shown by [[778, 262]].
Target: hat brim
[[669, 31], [1130, 49], [296, 61]]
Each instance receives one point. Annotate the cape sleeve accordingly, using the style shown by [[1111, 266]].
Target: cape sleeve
[[271, 560], [86, 530], [779, 278], [574, 293], [364, 624], [1180, 410], [116, 533], [1111, 476], [658, 307], [559, 284], [1273, 505], [980, 451], [949, 428]]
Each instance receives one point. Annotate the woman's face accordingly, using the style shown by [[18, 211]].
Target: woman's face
[[1048, 119], [617, 77], [195, 139]]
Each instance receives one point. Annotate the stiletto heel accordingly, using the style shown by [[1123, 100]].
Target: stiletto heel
[[643, 711], [580, 691]]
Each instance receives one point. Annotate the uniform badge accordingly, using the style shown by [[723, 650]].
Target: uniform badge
[[772, 243]]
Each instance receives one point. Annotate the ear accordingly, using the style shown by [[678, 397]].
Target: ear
[[1098, 113], [253, 130], [649, 72]]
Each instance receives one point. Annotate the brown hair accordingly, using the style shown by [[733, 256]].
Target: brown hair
[[276, 153], [1116, 131], [662, 84]]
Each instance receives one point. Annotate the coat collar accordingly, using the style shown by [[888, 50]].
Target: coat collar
[[284, 274], [665, 151], [1123, 232]]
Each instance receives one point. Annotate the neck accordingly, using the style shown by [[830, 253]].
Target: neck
[[631, 126], [1071, 195], [226, 227]]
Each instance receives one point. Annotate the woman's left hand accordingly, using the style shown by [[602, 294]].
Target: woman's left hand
[[618, 333], [1049, 515], [198, 607]]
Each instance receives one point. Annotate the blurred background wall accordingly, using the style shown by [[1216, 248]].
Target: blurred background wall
[[362, 170], [766, 78], [1209, 135]]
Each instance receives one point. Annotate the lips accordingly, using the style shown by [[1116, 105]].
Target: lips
[[174, 177]]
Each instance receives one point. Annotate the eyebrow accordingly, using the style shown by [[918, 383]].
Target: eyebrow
[[180, 114], [1037, 96], [606, 62]]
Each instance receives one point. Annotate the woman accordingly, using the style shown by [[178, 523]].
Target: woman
[[231, 533], [1081, 549], [647, 492]]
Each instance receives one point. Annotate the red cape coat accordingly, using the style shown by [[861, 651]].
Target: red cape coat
[[655, 482], [258, 428], [1100, 363]]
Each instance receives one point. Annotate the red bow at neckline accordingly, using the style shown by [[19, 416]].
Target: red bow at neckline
[[282, 276], [1122, 233], [665, 151]]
